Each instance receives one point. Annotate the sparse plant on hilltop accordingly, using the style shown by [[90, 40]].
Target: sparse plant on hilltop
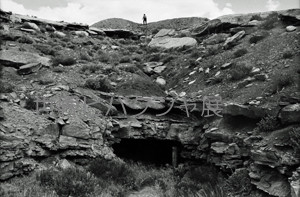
[[101, 84], [256, 17], [295, 140], [25, 39], [287, 54], [268, 123], [239, 71], [240, 53], [256, 39], [64, 60], [270, 21], [281, 81]]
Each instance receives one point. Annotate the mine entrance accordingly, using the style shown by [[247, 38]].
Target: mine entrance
[[149, 151]]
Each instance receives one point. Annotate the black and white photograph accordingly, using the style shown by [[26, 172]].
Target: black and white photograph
[[149, 98]]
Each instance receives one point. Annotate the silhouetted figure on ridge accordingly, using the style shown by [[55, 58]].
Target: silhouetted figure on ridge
[[144, 19]]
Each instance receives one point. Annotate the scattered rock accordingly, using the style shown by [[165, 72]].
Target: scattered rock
[[29, 25], [206, 71], [290, 28], [227, 65], [29, 68], [161, 81], [216, 39], [81, 33], [17, 59], [64, 164], [28, 30], [191, 82], [59, 34], [261, 77], [231, 41], [165, 32], [168, 42], [159, 69], [290, 114]]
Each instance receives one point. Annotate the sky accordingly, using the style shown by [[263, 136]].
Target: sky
[[92, 11]]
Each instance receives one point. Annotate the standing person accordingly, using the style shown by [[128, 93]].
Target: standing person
[[144, 19]]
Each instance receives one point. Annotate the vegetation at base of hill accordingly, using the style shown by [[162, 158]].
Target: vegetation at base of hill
[[270, 21], [287, 54], [101, 84], [281, 81], [268, 124], [240, 53], [4, 87], [239, 183], [25, 39], [239, 71], [295, 140], [256, 39], [64, 60], [256, 17]]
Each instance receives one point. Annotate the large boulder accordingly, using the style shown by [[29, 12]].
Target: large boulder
[[28, 25], [165, 32], [231, 41], [171, 43], [17, 59], [29, 68], [290, 114]]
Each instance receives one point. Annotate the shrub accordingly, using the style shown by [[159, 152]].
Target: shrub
[[287, 54], [68, 182], [137, 58], [6, 87], [83, 55], [125, 59], [45, 49], [58, 69], [101, 84], [255, 39], [91, 68], [115, 171], [295, 140], [239, 71], [281, 81], [45, 81], [64, 60], [30, 103], [25, 39], [103, 57], [270, 21], [240, 53], [238, 183], [256, 17], [1, 69], [268, 123]]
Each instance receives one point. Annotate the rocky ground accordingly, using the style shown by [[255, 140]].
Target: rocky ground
[[249, 61]]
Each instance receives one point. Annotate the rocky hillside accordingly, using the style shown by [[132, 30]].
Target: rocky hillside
[[153, 27], [223, 93]]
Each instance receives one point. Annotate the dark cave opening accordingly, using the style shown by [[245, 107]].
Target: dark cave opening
[[148, 151]]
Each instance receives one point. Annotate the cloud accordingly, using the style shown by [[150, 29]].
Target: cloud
[[88, 11], [272, 5]]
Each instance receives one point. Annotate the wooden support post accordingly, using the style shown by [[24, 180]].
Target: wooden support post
[[174, 156]]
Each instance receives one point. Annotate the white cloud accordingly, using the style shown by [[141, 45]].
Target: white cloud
[[272, 5], [89, 11]]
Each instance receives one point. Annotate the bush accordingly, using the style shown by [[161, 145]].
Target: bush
[[287, 54], [268, 123], [125, 59], [256, 17], [103, 57], [240, 53], [68, 182], [101, 84], [58, 69], [6, 87], [255, 39], [1, 69], [30, 103], [64, 60], [239, 71], [45, 49], [295, 140], [239, 183], [281, 81], [25, 39], [270, 21], [91, 68], [114, 171]]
